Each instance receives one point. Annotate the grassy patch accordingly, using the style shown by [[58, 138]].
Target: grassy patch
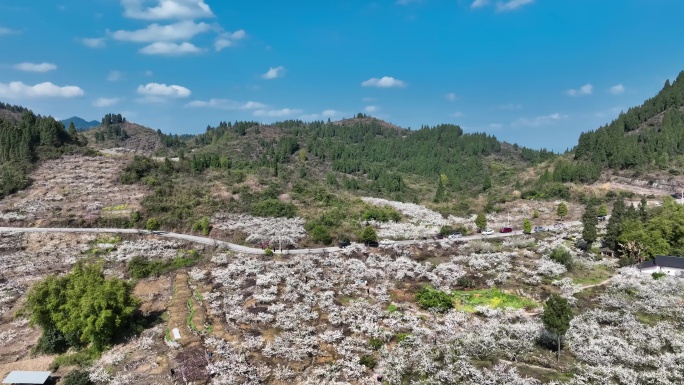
[[593, 276], [493, 298], [120, 207]]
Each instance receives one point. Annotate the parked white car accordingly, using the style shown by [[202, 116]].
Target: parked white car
[[488, 232]]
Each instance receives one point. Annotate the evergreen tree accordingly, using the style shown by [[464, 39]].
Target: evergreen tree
[[614, 227], [527, 226], [368, 234], [603, 210], [481, 221], [72, 130], [562, 210], [556, 318], [643, 215], [589, 223]]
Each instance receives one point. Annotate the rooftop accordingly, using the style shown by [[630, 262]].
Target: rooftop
[[26, 377], [664, 261]]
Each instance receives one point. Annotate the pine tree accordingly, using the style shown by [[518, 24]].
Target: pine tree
[[589, 222], [481, 221], [527, 226], [562, 210], [614, 227], [556, 318]]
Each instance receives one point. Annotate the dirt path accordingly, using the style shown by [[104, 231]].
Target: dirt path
[[596, 284], [178, 311]]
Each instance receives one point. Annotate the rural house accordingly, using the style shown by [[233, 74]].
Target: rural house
[[663, 264]]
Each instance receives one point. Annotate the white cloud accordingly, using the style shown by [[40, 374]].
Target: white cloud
[[19, 90], [370, 109], [479, 3], [94, 42], [227, 39], [170, 49], [226, 104], [114, 76], [538, 121], [495, 126], [586, 89], [273, 73], [324, 114], [7, 31], [511, 106], [512, 5], [457, 115], [35, 67], [156, 89], [182, 30], [105, 102], [166, 9], [277, 113], [617, 89], [450, 96], [384, 82]]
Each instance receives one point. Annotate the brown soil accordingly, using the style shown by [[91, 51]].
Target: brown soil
[[178, 311]]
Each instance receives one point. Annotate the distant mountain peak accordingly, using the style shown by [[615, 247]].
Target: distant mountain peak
[[80, 123]]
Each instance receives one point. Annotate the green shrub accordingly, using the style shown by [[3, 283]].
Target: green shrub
[[381, 214], [392, 308], [320, 234], [368, 234], [202, 225], [52, 342], [368, 361], [375, 343], [77, 377], [274, 208], [268, 252], [465, 282], [152, 224], [402, 336], [562, 255], [82, 359], [429, 298], [658, 275]]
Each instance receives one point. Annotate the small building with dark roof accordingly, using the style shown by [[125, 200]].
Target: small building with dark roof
[[21, 377], [663, 264]]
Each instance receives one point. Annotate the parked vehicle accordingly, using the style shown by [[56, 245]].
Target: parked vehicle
[[455, 235], [601, 218], [506, 230], [343, 244], [488, 232], [371, 244], [539, 229], [439, 236]]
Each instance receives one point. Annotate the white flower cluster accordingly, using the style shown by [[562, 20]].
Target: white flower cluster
[[150, 248], [285, 231]]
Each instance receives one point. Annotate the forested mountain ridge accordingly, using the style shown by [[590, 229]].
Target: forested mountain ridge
[[364, 153], [650, 135], [26, 140]]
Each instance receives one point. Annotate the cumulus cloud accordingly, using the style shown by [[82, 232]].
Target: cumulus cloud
[[512, 5], [586, 89], [617, 89], [371, 109], [273, 73], [479, 3], [226, 104], [19, 90], [166, 9], [277, 113], [35, 67], [538, 121], [105, 102], [94, 42], [170, 49], [450, 96], [156, 89], [182, 30], [384, 82]]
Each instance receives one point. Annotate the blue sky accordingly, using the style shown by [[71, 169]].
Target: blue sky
[[533, 72]]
